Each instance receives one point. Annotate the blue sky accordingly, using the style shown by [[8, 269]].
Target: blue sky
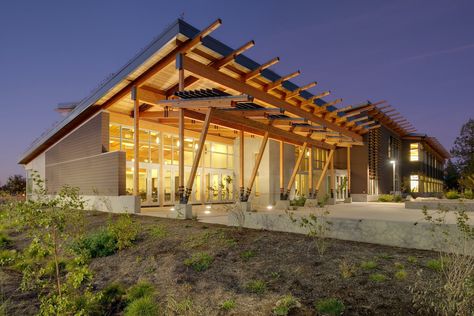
[[417, 55]]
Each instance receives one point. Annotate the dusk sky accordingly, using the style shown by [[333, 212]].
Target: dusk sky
[[417, 55]]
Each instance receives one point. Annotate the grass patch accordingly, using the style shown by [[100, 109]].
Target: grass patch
[[98, 244], [385, 256], [330, 306], [369, 265], [140, 290], [401, 275], [158, 232], [378, 277], [199, 261], [285, 305], [256, 287], [412, 259], [452, 195], [347, 269], [7, 257], [4, 240], [399, 266], [435, 265], [145, 306], [227, 305], [246, 255]]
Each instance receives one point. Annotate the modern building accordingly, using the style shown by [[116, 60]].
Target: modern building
[[190, 120]]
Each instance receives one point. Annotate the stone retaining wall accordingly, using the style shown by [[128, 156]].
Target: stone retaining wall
[[434, 204]]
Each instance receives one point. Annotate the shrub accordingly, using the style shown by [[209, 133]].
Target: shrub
[[144, 306], [299, 201], [468, 194], [401, 274], [435, 265], [368, 265], [227, 305], [452, 195], [199, 261], [386, 198], [412, 259], [256, 286], [4, 240], [158, 232], [347, 269], [377, 277], [398, 198], [112, 300], [7, 257], [125, 231], [285, 305], [330, 306], [140, 290], [101, 243], [246, 255], [399, 266]]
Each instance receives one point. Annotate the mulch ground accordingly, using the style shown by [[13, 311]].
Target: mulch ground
[[287, 263]]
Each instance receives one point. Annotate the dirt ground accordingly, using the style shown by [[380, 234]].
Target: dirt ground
[[287, 263]]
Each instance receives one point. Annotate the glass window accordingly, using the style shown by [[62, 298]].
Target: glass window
[[219, 148], [414, 152], [414, 183], [219, 160], [114, 130]]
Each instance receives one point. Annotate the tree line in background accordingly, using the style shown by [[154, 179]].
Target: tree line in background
[[15, 185], [459, 170]]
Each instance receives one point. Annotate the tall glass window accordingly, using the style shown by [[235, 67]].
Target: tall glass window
[[414, 183], [414, 152]]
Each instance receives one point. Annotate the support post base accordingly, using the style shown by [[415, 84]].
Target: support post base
[[183, 211], [348, 200], [245, 206], [331, 201]]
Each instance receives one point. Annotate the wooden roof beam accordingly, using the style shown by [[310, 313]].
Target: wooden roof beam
[[344, 109], [256, 72], [276, 84], [229, 58], [324, 106], [227, 81], [297, 91], [310, 101]]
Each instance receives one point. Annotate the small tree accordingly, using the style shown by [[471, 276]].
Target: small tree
[[15, 185], [451, 176], [463, 152]]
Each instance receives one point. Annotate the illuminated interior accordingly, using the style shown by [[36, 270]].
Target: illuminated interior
[[414, 152]]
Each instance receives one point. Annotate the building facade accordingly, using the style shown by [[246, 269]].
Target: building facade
[[191, 121]]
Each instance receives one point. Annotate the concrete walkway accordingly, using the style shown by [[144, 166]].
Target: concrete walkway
[[396, 212]]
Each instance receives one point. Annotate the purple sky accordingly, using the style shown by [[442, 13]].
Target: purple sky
[[418, 55]]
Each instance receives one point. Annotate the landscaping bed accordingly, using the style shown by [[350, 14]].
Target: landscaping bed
[[206, 269]]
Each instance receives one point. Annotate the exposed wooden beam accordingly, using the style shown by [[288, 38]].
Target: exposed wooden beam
[[323, 107], [276, 84], [258, 159], [162, 63], [344, 109], [254, 73], [229, 58], [310, 101], [298, 90], [295, 170], [323, 173], [232, 83], [136, 139]]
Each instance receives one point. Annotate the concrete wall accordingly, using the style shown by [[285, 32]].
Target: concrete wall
[[390, 233], [115, 204], [451, 205]]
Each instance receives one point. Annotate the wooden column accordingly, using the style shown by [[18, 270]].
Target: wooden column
[[295, 170], [310, 173], [242, 165], [348, 171], [181, 132], [197, 156], [255, 167], [282, 171], [136, 139], [323, 172], [333, 177]]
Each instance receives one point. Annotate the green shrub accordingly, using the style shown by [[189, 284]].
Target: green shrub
[[158, 232], [385, 256], [299, 201], [285, 305], [4, 240], [330, 306], [246, 255], [256, 286], [386, 198], [140, 290], [377, 277], [398, 198], [199, 261], [468, 194], [435, 265], [144, 306], [412, 259], [368, 265], [228, 305], [101, 243], [112, 299], [7, 257], [452, 195], [399, 266], [125, 231], [401, 274]]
